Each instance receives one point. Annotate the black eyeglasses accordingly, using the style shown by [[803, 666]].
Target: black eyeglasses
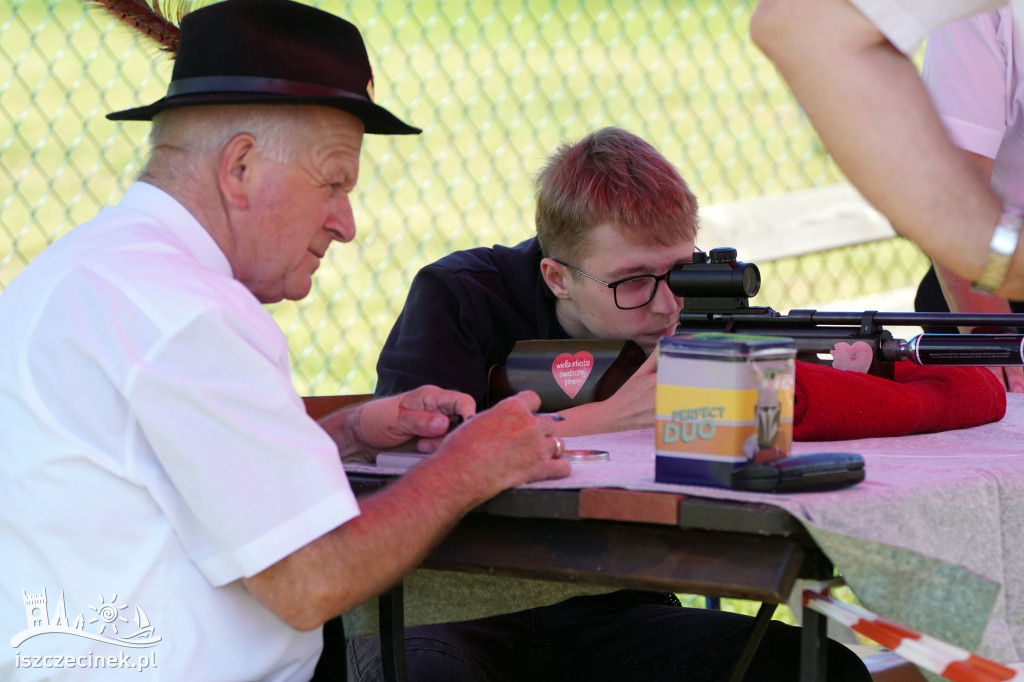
[[630, 293]]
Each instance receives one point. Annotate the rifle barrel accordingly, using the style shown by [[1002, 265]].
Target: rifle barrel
[[907, 319]]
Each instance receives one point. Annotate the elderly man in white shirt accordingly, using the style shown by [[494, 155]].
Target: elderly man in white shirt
[[166, 504], [153, 453]]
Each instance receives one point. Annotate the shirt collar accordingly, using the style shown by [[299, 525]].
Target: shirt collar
[[172, 215]]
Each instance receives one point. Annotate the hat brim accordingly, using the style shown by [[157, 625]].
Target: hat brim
[[377, 119]]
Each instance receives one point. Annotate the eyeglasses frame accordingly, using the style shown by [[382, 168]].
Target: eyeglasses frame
[[614, 285]]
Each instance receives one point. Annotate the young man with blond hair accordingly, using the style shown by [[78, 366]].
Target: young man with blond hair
[[613, 218]]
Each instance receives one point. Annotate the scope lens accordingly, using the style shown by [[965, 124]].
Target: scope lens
[[715, 280], [750, 279]]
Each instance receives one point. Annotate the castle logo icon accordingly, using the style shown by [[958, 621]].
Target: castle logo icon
[[106, 616]]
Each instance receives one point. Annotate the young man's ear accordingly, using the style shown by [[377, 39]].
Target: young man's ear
[[235, 172], [554, 275]]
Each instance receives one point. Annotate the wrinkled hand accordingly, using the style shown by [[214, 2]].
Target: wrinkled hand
[[503, 447], [423, 412], [361, 432]]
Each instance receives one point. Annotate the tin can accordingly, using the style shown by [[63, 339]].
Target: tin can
[[723, 401]]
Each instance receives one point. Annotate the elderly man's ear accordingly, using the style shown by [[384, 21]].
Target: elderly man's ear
[[235, 174]]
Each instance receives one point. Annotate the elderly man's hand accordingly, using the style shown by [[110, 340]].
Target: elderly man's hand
[[424, 412], [502, 447]]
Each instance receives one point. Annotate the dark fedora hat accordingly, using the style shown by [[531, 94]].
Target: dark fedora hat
[[271, 52]]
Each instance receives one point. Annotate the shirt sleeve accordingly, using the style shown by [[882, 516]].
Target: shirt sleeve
[[438, 339], [906, 23], [243, 474], [966, 70]]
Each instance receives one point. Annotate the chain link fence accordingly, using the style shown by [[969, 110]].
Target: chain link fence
[[496, 86]]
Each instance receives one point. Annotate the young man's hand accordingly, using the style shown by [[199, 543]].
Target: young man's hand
[[630, 407]]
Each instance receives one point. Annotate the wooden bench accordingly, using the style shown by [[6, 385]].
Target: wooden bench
[[793, 224], [801, 223]]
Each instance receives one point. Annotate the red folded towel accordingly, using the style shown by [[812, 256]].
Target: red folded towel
[[834, 404]]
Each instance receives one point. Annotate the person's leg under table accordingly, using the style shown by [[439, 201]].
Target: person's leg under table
[[618, 636]]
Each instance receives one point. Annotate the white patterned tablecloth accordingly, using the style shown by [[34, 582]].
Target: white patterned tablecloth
[[933, 538]]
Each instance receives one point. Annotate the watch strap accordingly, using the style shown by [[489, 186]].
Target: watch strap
[[1000, 253]]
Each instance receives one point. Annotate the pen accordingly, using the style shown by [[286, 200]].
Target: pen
[[456, 419]]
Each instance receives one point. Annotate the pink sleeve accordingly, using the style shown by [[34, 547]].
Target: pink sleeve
[[967, 71]]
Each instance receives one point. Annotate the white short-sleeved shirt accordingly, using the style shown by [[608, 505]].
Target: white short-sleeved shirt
[[907, 22], [972, 69], [153, 451]]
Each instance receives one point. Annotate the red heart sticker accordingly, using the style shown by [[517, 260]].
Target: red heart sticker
[[571, 371], [855, 357]]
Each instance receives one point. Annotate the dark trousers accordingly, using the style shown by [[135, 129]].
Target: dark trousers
[[332, 666], [620, 636]]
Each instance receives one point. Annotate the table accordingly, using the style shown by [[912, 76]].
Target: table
[[931, 538], [619, 539]]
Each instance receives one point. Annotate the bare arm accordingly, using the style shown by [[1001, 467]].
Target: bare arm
[[955, 288], [870, 108], [961, 298], [498, 449]]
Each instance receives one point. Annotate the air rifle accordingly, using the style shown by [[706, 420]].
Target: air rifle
[[716, 289]]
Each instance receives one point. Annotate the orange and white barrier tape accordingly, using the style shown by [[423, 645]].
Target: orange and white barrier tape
[[927, 652]]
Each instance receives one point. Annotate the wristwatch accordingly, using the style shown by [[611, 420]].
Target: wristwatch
[[1000, 252]]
